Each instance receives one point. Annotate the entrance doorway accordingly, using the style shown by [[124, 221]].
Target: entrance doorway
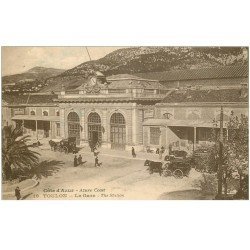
[[117, 131], [74, 128], [94, 129]]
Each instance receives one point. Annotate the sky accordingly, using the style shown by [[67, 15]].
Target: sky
[[20, 59]]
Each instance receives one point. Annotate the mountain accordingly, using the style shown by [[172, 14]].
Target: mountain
[[151, 59], [30, 81], [36, 73]]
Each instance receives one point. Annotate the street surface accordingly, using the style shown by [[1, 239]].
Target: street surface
[[119, 177]]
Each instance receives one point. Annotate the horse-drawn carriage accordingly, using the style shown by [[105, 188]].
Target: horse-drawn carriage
[[64, 145], [178, 166]]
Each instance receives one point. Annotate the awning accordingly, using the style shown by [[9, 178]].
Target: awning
[[180, 123], [36, 118]]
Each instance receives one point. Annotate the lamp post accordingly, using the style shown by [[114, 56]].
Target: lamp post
[[220, 165]]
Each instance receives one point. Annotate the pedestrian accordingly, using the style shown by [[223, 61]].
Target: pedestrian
[[157, 151], [170, 149], [97, 163], [95, 152], [75, 161], [17, 193], [160, 154], [80, 160], [133, 152]]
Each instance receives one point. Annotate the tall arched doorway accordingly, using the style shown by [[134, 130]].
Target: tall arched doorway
[[117, 131], [94, 129], [74, 128]]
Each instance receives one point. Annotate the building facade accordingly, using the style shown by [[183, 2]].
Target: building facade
[[37, 114], [124, 111], [186, 126], [109, 111]]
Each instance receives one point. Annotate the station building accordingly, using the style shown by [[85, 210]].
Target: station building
[[109, 111], [124, 111]]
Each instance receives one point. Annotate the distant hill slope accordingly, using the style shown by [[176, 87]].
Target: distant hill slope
[[36, 73], [32, 80], [151, 59]]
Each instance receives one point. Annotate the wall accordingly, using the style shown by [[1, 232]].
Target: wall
[[130, 112], [203, 112]]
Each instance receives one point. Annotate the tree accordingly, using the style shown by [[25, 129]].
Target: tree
[[236, 156], [16, 152]]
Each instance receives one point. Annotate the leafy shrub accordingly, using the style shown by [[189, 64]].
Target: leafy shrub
[[208, 183]]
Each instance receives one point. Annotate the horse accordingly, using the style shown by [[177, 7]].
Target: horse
[[154, 167], [52, 145]]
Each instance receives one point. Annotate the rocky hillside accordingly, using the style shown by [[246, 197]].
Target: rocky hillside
[[151, 59], [36, 73], [30, 81]]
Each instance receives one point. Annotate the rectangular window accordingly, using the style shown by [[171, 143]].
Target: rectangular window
[[19, 111], [57, 129], [155, 133]]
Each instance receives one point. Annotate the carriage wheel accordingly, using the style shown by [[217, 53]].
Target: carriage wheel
[[197, 169], [178, 174], [65, 150], [167, 173], [166, 165]]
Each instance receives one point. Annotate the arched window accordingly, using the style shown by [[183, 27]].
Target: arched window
[[117, 131], [73, 117], [94, 129], [57, 113], [94, 118], [117, 118], [74, 129], [32, 112], [45, 113]]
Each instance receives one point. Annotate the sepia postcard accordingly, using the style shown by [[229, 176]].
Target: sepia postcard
[[125, 123]]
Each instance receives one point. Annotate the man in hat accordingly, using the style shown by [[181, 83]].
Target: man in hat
[[97, 163], [17, 193], [133, 152], [80, 160], [75, 161]]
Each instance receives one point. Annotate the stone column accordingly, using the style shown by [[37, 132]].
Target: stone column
[[82, 123], [194, 145], [62, 122], [105, 142], [36, 130], [134, 125], [50, 128]]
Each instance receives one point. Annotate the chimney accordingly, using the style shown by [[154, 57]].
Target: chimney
[[243, 90]]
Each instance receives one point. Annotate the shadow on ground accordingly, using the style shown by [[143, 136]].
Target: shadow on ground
[[193, 194], [42, 170], [26, 196]]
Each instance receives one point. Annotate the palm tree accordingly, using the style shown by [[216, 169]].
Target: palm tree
[[16, 152]]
